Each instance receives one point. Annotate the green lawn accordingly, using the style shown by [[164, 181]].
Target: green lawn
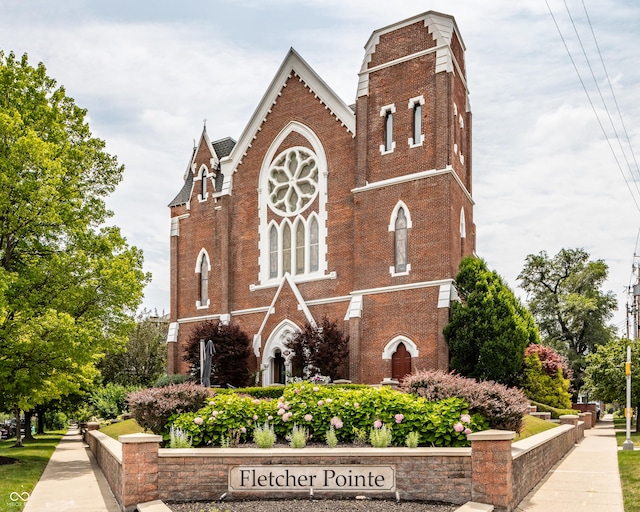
[[122, 428], [21, 477]]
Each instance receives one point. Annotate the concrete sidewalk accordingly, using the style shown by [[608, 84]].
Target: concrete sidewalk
[[72, 481], [587, 478]]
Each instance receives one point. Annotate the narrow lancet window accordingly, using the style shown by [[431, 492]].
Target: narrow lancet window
[[401, 241], [273, 252], [204, 281], [300, 243]]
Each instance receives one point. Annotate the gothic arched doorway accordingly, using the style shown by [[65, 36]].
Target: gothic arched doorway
[[400, 363]]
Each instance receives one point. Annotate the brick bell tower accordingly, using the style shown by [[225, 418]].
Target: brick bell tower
[[413, 179]]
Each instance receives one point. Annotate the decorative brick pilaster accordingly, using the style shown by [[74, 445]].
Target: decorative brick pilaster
[[139, 469], [492, 467], [570, 419]]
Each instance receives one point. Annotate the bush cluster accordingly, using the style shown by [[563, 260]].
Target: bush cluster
[[152, 407], [503, 407], [317, 408]]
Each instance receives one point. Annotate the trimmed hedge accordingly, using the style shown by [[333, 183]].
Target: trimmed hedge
[[555, 412], [352, 412]]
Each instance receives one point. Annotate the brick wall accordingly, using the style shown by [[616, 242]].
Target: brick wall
[[493, 470]]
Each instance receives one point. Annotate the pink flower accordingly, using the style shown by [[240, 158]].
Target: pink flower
[[467, 431], [255, 401], [296, 391], [399, 418], [215, 413], [286, 416], [308, 417], [458, 427], [465, 418], [281, 405], [269, 417], [198, 420], [336, 422], [356, 404], [377, 424], [316, 388], [243, 430], [281, 412], [255, 417], [329, 400], [320, 403]]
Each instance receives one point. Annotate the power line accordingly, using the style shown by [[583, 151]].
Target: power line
[[584, 87]]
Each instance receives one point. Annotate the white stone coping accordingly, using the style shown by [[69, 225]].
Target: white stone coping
[[492, 435], [140, 438], [242, 452], [153, 506], [526, 445], [111, 445], [471, 506]]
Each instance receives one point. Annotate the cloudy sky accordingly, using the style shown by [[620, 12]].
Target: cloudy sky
[[553, 167]]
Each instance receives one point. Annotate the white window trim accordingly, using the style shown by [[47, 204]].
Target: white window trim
[[203, 173], [412, 103], [463, 224], [203, 253], [392, 229], [320, 214], [392, 346], [383, 112]]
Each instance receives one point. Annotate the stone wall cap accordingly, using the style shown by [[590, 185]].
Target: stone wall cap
[[140, 438], [492, 435], [569, 417]]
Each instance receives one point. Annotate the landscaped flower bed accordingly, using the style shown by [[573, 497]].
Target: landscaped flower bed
[[354, 414]]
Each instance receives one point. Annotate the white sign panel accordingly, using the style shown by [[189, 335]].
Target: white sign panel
[[322, 478]]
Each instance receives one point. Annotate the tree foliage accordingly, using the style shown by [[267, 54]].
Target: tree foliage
[[489, 329], [605, 377], [232, 348], [319, 350], [143, 359], [546, 377], [565, 296], [68, 282]]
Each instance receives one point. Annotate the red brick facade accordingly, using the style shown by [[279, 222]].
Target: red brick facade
[[300, 217]]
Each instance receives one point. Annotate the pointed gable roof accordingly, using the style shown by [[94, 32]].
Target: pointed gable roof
[[218, 150], [293, 64]]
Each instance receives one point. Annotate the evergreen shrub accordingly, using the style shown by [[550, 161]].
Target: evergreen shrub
[[503, 407]]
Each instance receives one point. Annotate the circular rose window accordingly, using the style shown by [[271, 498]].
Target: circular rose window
[[293, 181]]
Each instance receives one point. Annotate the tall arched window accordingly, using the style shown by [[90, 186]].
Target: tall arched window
[[300, 245], [273, 252], [203, 184], [401, 241], [293, 198], [313, 245], [204, 281], [286, 249]]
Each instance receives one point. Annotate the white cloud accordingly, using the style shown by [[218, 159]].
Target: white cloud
[[544, 176]]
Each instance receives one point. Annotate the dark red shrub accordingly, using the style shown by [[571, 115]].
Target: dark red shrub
[[502, 406], [152, 407]]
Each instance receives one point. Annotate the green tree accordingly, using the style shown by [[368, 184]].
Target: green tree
[[489, 329], [143, 359], [68, 282], [605, 378], [546, 376], [319, 350], [565, 296], [229, 364]]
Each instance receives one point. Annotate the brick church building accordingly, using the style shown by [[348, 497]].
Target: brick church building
[[358, 212]]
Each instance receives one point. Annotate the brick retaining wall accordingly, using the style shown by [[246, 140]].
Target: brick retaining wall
[[494, 470]]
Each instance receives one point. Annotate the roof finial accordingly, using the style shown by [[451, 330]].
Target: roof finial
[[204, 122]]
